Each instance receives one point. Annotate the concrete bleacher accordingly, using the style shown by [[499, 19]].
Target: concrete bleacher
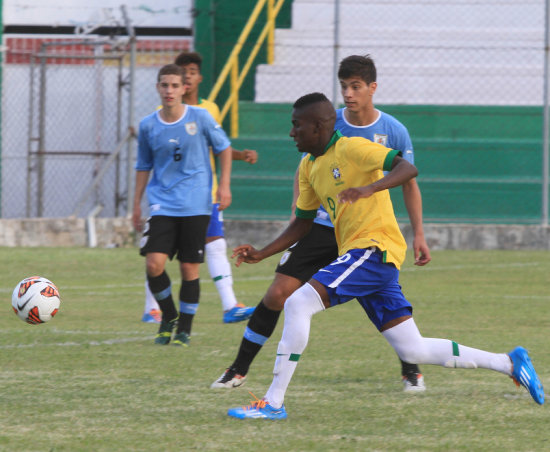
[[465, 77], [476, 164], [433, 52]]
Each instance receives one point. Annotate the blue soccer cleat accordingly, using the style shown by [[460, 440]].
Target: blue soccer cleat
[[153, 316], [237, 314], [524, 373], [258, 409]]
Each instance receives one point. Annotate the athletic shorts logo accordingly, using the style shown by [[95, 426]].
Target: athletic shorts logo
[[285, 257], [191, 128], [143, 241], [380, 139], [147, 226]]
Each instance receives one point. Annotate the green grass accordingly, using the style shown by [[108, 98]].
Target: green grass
[[92, 380]]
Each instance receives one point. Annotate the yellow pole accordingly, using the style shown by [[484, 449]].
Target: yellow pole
[[235, 102], [235, 52], [271, 33], [249, 62]]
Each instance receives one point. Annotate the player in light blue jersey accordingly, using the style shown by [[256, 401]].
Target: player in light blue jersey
[[318, 248], [174, 144]]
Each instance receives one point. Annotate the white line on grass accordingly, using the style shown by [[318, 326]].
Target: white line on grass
[[77, 344]]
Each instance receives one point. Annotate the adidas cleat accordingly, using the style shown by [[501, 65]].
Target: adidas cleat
[[413, 382], [181, 339], [258, 409], [524, 373], [165, 332], [237, 314], [229, 379]]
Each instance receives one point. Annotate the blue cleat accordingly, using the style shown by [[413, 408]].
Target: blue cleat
[[237, 314], [153, 316], [524, 373], [258, 409]]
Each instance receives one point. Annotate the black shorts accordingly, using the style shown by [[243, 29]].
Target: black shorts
[[316, 250], [185, 236]]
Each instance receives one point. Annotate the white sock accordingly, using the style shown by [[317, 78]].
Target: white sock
[[220, 271], [413, 348], [150, 302], [299, 308]]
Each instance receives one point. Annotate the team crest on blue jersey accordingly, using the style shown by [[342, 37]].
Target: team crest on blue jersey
[[191, 128], [380, 139]]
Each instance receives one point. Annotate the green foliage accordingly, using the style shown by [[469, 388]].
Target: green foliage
[[92, 380]]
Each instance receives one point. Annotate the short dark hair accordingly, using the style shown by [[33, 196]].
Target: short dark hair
[[171, 69], [185, 58], [309, 99], [358, 66]]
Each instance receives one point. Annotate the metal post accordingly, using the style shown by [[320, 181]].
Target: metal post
[[132, 76], [546, 116], [336, 84], [30, 140], [41, 137]]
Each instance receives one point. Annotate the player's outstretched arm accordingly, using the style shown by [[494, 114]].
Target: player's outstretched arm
[[413, 203], [401, 172], [294, 232]]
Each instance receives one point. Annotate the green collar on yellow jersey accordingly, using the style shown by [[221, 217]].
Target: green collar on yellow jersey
[[335, 137]]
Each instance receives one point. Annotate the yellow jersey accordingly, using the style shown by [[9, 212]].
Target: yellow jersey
[[352, 162], [213, 109]]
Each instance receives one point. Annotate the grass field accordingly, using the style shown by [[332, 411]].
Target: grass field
[[92, 380]]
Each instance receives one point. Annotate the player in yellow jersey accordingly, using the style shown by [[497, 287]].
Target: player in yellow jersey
[[216, 246], [346, 175]]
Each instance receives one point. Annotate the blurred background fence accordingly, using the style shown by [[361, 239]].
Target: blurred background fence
[[466, 77]]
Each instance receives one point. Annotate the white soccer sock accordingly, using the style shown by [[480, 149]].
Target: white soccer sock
[[220, 271], [413, 348], [150, 302], [299, 308]]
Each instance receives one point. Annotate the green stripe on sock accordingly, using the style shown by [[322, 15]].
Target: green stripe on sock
[[455, 349], [217, 278], [294, 357]]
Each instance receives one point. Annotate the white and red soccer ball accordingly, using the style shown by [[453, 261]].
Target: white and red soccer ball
[[35, 300]]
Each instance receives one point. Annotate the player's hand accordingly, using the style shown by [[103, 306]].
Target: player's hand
[[246, 253], [223, 197], [137, 221], [421, 251], [351, 195], [250, 156]]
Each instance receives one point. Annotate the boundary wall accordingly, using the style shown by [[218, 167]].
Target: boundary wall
[[118, 232]]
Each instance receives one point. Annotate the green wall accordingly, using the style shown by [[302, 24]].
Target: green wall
[[476, 164]]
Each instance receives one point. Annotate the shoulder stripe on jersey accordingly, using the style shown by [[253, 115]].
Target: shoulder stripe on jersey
[[389, 159], [306, 214]]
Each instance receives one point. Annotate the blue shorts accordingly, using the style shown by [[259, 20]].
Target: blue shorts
[[215, 227], [361, 274]]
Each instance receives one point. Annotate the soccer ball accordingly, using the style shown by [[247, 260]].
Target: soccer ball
[[35, 300]]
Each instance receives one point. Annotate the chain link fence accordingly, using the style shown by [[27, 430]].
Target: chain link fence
[[467, 78], [70, 124]]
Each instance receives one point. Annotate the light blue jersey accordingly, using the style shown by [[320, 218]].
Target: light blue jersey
[[178, 154], [385, 130]]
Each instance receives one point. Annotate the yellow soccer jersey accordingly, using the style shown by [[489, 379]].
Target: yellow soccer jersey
[[346, 163], [213, 109]]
